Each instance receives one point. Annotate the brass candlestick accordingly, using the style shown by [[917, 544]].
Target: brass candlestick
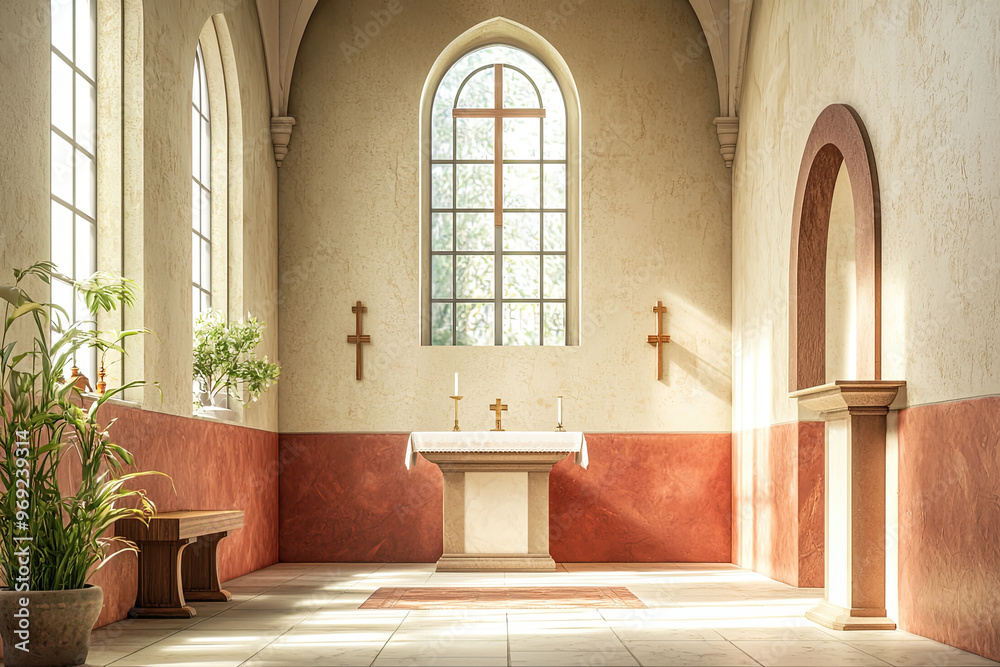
[[457, 399]]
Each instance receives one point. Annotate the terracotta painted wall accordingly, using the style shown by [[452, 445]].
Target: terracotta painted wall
[[949, 523], [778, 502], [645, 497], [213, 466]]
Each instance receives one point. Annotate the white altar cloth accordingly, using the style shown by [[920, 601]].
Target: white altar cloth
[[497, 441]]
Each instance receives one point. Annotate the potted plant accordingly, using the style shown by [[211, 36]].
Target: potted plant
[[61, 478], [226, 365]]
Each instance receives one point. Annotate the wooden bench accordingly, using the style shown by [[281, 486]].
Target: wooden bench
[[178, 560]]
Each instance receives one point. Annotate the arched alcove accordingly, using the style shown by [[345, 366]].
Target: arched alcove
[[838, 138]]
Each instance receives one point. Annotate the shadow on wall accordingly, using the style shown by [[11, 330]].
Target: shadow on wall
[[709, 376]]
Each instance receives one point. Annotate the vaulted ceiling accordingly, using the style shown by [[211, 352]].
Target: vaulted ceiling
[[725, 27]]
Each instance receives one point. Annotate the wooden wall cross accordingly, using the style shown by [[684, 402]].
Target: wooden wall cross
[[498, 407], [658, 338], [358, 339]]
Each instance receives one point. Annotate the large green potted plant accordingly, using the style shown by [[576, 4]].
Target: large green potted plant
[[61, 478], [226, 365]]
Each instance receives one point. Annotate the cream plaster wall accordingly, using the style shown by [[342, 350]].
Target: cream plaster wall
[[841, 285], [655, 225], [24, 161], [154, 174], [924, 77]]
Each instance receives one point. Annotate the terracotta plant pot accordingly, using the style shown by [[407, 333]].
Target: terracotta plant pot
[[56, 625]]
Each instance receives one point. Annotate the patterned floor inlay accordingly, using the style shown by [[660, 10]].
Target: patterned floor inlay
[[509, 597]]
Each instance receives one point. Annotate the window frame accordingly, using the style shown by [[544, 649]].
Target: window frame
[[80, 219], [506, 33], [201, 106]]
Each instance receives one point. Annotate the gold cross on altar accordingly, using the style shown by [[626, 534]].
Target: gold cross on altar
[[358, 338], [498, 113], [659, 338], [498, 407]]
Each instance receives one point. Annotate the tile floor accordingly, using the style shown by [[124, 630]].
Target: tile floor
[[305, 615]]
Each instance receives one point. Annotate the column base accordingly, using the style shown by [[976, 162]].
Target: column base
[[494, 562], [835, 617]]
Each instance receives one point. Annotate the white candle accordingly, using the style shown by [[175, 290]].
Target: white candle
[[559, 410], [456, 385]]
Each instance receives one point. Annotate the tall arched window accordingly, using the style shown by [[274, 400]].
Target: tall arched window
[[498, 216], [201, 190], [73, 135]]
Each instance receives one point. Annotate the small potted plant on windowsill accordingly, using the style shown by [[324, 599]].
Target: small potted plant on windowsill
[[226, 365], [61, 476]]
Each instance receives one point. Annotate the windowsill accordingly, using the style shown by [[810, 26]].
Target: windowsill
[[121, 402]]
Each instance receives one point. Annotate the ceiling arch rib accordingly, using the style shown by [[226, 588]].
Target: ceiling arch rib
[[725, 33], [282, 24]]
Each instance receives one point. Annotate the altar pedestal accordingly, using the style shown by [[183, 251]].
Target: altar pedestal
[[496, 495]]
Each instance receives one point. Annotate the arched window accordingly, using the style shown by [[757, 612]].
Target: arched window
[[201, 190], [73, 136], [499, 208]]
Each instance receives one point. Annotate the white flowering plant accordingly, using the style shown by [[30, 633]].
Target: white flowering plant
[[225, 361]]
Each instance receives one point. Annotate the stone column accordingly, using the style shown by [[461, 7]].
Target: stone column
[[855, 415]]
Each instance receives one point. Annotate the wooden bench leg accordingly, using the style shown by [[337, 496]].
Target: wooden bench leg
[[201, 570], [160, 593]]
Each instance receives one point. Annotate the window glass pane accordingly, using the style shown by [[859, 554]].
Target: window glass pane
[[555, 324], [521, 324], [86, 27], [62, 26], [555, 276], [86, 184], [478, 91], [62, 295], [555, 186], [206, 103], [441, 278], [476, 231], [555, 231], [518, 93], [474, 140], [195, 260], [206, 302], [62, 238], [86, 248], [441, 323], [195, 206], [521, 139], [521, 186], [206, 154], [475, 186], [195, 144], [474, 324], [521, 231], [474, 276], [441, 186], [195, 301], [62, 90], [206, 212], [62, 169], [521, 279], [196, 85], [441, 231], [555, 132], [441, 127], [86, 114], [206, 265]]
